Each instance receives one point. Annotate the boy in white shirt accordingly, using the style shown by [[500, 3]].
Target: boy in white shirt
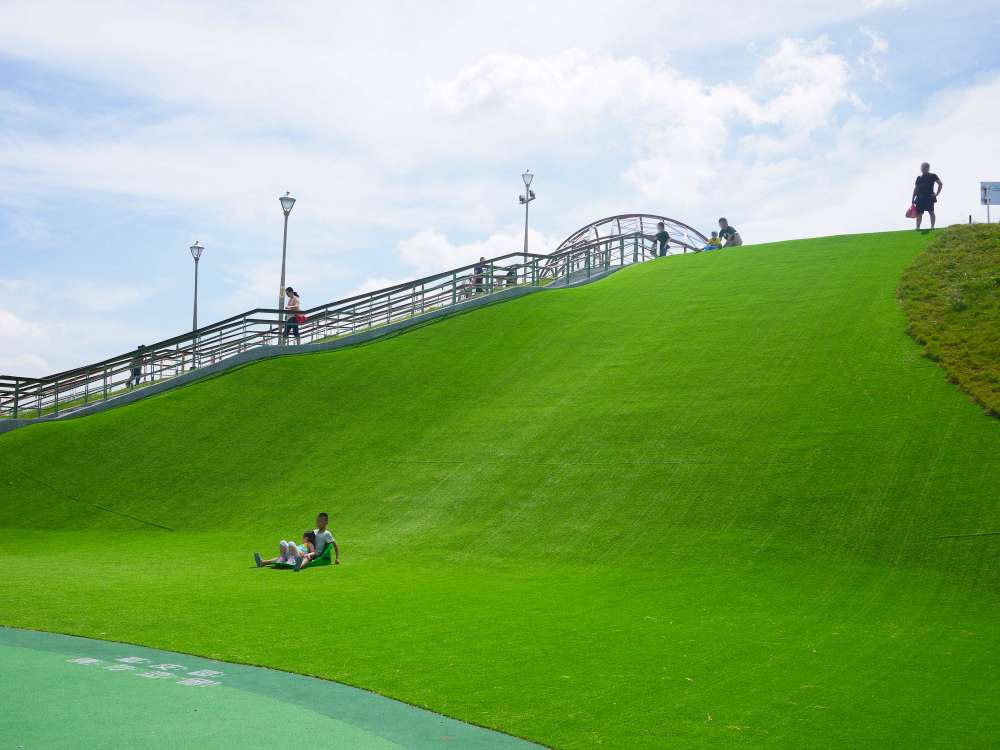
[[325, 537]]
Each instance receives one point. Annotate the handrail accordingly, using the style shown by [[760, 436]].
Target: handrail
[[100, 381]]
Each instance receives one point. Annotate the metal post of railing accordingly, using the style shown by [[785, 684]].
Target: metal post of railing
[[105, 382], [17, 396], [534, 271], [86, 388], [587, 262], [635, 249], [55, 400], [621, 254], [38, 400], [388, 310]]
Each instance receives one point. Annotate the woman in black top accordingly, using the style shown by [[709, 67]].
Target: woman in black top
[[924, 195]]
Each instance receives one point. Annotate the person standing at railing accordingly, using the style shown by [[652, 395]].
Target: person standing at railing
[[293, 307], [662, 238], [511, 276], [477, 275], [135, 371]]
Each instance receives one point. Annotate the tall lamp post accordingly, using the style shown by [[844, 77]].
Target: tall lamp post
[[196, 250], [287, 201], [529, 195]]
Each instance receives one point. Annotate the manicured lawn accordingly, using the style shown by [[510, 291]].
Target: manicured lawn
[[951, 295], [708, 502]]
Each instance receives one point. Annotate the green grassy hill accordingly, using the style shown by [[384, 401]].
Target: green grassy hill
[[710, 501]]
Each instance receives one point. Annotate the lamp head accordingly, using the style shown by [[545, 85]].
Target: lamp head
[[528, 176], [287, 201], [196, 250]]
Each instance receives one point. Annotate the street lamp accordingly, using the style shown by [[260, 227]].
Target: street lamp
[[529, 195], [287, 202], [196, 250]]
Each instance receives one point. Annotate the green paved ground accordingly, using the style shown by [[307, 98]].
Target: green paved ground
[[708, 502], [64, 692]]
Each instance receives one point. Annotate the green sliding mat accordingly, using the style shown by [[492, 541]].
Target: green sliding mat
[[61, 691]]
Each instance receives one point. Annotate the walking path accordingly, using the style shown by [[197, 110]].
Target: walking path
[[61, 691]]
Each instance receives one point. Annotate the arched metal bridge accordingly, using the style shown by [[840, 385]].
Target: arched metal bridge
[[683, 238], [617, 241]]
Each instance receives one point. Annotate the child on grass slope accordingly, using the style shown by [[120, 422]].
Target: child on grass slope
[[296, 554]]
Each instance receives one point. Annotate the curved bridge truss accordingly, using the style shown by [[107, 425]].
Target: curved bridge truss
[[619, 241], [683, 238]]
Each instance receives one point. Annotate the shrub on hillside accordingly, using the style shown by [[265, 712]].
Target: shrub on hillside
[[951, 295]]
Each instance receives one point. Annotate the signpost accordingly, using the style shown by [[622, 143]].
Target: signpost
[[989, 194]]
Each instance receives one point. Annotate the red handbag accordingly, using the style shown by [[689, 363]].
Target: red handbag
[[911, 212], [300, 318]]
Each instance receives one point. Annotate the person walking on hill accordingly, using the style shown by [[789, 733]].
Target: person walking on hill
[[135, 368], [924, 194], [662, 239], [729, 234], [293, 311]]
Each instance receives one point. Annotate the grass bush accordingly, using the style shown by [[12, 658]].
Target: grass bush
[[951, 295]]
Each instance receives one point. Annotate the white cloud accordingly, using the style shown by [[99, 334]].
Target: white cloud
[[24, 365], [374, 283], [429, 251], [874, 58], [863, 180], [14, 327], [675, 127]]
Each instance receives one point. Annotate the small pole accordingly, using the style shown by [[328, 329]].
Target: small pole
[[281, 292], [17, 396], [55, 402], [86, 389]]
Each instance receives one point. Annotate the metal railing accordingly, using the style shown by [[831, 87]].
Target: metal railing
[[68, 391]]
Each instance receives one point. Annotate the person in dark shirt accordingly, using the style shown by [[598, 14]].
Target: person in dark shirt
[[511, 276], [924, 194], [662, 237], [135, 368], [477, 275], [728, 234]]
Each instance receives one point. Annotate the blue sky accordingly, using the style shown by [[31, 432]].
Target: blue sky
[[127, 133]]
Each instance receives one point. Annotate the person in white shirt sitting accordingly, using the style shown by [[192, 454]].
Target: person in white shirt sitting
[[324, 537]]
